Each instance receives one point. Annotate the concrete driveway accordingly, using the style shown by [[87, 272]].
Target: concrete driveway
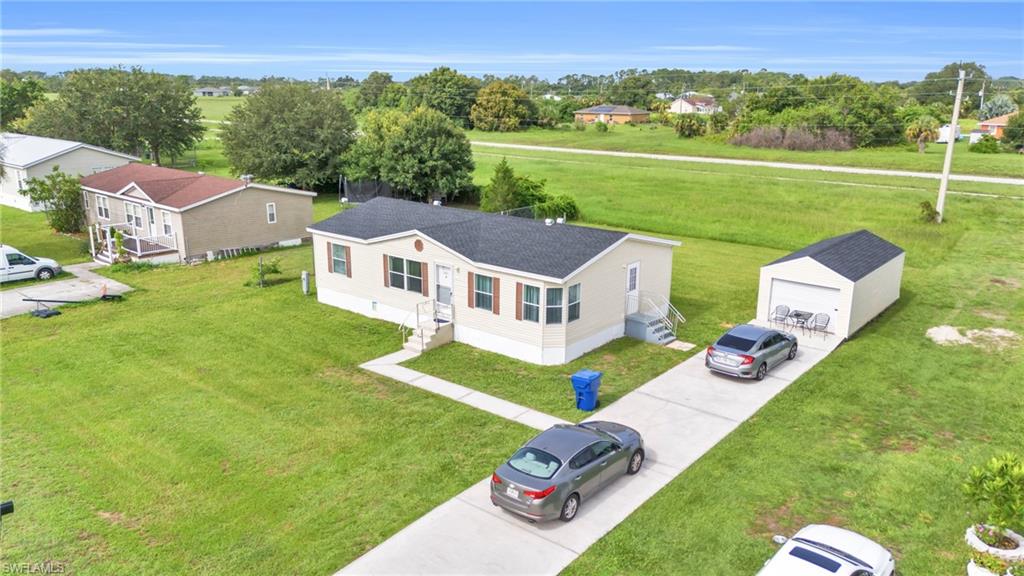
[[682, 414], [86, 285]]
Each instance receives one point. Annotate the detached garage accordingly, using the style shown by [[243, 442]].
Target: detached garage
[[852, 278]]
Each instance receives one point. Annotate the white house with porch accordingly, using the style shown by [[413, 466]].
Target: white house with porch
[[541, 291]]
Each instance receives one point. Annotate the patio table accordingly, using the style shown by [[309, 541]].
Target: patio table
[[800, 318]]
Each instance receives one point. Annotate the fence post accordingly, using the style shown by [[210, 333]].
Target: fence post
[[260, 271]]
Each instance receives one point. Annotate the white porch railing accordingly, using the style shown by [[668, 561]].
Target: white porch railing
[[426, 312], [131, 241], [656, 305]]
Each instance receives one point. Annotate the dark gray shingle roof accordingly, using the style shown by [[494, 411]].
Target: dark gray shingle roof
[[853, 255], [515, 243]]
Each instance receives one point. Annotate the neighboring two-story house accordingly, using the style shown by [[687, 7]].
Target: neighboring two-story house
[[540, 291], [168, 215]]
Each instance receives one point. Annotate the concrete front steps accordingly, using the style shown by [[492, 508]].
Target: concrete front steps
[[428, 336], [649, 328]]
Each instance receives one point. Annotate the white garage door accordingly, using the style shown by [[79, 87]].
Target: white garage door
[[806, 297]]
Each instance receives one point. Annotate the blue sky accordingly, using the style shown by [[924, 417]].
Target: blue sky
[[876, 41]]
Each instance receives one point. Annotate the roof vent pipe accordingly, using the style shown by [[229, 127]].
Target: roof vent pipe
[[548, 221], [247, 178]]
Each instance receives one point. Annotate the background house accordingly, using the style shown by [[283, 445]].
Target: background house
[[852, 278], [694, 104], [212, 91], [542, 292], [170, 215], [995, 126], [613, 114], [24, 156]]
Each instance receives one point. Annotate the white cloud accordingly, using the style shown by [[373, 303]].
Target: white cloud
[[709, 48], [49, 32], [102, 45]]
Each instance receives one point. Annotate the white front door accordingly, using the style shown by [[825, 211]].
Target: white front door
[[632, 288], [154, 226], [443, 289]]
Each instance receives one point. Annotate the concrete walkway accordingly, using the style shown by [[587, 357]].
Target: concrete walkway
[[389, 366], [682, 414], [86, 285], [759, 163]]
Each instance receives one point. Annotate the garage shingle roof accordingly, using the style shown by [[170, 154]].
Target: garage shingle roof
[[853, 255], [515, 243]]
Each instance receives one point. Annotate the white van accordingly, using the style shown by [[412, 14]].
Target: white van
[[16, 266]]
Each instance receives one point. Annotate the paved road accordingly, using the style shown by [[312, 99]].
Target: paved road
[[86, 285], [760, 163], [682, 414]]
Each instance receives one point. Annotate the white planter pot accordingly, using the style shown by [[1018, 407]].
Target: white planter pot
[[975, 570], [1014, 555]]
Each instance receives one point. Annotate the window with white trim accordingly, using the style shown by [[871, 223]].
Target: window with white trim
[[531, 303], [483, 292], [85, 200], [338, 263], [102, 208], [165, 217], [133, 215], [405, 274], [574, 303], [271, 213], [553, 309]]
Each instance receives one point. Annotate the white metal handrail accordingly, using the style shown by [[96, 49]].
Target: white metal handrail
[[649, 303], [429, 313]]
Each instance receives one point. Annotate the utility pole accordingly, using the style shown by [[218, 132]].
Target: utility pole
[[950, 142], [982, 94]]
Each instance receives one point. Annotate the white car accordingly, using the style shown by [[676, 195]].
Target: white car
[[16, 266], [819, 550]]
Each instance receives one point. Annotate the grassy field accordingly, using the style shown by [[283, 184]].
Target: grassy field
[[203, 426], [878, 437], [662, 139], [218, 107], [28, 232]]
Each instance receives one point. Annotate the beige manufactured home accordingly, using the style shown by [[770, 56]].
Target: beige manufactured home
[[168, 215], [543, 292], [24, 157]]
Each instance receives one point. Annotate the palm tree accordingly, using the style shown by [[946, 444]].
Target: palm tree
[[923, 129]]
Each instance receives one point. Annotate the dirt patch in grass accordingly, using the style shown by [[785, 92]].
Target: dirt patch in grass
[[992, 338], [780, 520], [989, 315], [899, 444], [1007, 282]]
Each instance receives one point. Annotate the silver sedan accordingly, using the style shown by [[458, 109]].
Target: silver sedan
[[563, 466], [750, 351]]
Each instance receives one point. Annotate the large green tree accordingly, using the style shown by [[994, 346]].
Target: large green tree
[[507, 191], [939, 86], [634, 90], [446, 91], [922, 130], [1013, 133], [290, 133], [17, 95], [124, 109], [371, 89], [501, 107], [422, 152], [997, 106]]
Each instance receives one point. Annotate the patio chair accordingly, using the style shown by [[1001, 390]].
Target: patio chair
[[780, 315], [819, 323]]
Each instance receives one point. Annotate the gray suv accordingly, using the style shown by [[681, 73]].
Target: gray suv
[[750, 351]]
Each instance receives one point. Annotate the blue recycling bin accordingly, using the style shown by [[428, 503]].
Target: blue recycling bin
[[586, 384]]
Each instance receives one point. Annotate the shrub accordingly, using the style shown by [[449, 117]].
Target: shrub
[[987, 145], [928, 212], [1013, 134], [61, 194], [133, 267], [718, 122], [794, 139], [261, 269], [690, 125], [557, 207], [579, 125], [998, 489], [600, 126]]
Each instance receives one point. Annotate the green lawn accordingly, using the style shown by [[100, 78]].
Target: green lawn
[[202, 426], [877, 438], [626, 364], [218, 107], [662, 139], [29, 232]]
